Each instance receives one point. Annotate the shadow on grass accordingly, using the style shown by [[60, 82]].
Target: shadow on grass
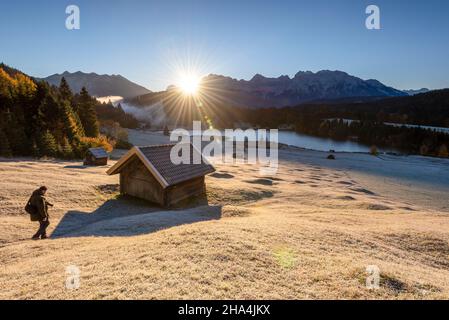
[[127, 216], [76, 166]]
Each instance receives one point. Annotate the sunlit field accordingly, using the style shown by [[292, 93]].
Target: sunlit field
[[311, 231]]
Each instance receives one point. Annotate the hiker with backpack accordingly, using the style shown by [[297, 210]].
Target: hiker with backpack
[[37, 207]]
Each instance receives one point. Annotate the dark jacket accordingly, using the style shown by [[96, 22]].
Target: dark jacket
[[39, 202]]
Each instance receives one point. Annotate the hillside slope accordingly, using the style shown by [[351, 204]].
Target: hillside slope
[[309, 232]]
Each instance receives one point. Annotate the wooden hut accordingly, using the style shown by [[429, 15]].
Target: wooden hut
[[148, 173], [96, 157]]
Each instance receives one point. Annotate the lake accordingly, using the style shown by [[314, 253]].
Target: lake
[[319, 144], [323, 144], [142, 138]]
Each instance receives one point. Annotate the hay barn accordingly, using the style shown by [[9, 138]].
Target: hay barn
[[148, 173], [96, 157]]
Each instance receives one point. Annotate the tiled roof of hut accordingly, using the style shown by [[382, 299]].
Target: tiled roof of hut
[[158, 162], [98, 152]]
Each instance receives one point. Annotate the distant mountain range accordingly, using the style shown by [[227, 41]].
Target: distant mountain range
[[260, 91], [412, 92], [99, 85], [304, 87]]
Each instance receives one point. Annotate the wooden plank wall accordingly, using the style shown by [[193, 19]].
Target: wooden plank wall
[[184, 190], [136, 181]]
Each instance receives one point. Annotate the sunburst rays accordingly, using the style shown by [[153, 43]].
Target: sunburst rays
[[194, 93]]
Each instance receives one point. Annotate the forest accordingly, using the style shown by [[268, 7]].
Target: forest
[[427, 109], [38, 120]]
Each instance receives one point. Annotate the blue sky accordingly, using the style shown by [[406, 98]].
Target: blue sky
[[147, 41]]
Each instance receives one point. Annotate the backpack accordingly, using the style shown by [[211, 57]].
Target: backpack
[[30, 209]]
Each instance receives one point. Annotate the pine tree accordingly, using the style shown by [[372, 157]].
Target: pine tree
[[66, 149], [6, 88], [47, 145], [5, 150], [34, 149], [50, 115], [166, 131], [79, 125], [16, 136], [87, 114], [64, 90], [73, 127], [25, 87]]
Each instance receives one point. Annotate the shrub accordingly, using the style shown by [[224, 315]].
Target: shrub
[[47, 144], [122, 144], [96, 142], [5, 150], [424, 150], [66, 150], [34, 149], [443, 152]]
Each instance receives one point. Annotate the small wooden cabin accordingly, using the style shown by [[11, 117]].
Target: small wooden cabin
[[96, 157], [148, 173]]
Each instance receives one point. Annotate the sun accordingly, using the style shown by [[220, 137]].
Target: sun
[[189, 84]]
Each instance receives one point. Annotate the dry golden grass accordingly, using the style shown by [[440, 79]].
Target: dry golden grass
[[308, 233]]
